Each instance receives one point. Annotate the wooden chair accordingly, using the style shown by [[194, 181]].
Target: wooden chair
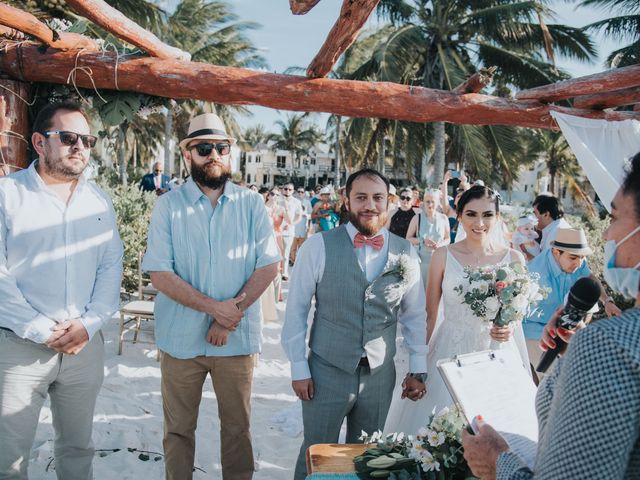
[[146, 290]]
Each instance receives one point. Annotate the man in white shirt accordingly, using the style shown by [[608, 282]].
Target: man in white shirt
[[60, 273], [364, 282], [291, 215], [550, 214]]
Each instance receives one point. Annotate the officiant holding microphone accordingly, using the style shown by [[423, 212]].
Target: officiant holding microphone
[[589, 405], [365, 280]]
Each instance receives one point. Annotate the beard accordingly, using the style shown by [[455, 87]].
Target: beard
[[370, 229], [202, 177], [56, 167]]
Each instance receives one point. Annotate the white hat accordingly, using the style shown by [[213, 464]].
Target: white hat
[[572, 240], [526, 221], [207, 126], [325, 191]]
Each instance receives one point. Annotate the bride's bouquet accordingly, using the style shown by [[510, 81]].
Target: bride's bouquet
[[434, 454], [501, 293]]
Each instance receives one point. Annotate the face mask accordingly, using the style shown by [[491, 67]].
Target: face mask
[[623, 280]]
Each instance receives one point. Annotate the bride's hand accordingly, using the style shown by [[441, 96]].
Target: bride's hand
[[501, 334]]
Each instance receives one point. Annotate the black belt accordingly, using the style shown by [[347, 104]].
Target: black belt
[[364, 362]]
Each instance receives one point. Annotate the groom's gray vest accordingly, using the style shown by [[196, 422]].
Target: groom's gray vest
[[354, 316]]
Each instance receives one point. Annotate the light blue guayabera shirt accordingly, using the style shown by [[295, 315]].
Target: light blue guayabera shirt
[[560, 282], [215, 251]]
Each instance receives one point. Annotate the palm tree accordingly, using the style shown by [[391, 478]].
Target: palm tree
[[296, 136], [623, 27], [440, 43]]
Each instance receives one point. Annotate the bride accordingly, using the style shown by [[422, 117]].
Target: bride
[[451, 327]]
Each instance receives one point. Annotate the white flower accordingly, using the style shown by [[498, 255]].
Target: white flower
[[363, 435], [376, 436], [429, 463], [492, 304], [435, 439], [422, 432], [520, 303]]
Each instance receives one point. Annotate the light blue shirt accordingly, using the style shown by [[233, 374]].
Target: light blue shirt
[[560, 282], [215, 251], [57, 261]]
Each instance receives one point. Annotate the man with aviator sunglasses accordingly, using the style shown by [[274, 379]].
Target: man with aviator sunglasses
[[60, 272], [211, 253]]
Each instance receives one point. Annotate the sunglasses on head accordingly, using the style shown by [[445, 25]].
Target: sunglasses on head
[[71, 138], [205, 149], [404, 197]]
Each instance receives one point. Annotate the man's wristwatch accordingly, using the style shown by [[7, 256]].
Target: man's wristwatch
[[421, 377]]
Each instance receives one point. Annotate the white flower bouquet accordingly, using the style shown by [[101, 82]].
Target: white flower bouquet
[[502, 293], [434, 454]]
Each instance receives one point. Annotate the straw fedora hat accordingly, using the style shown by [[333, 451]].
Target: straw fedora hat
[[207, 126], [572, 240]]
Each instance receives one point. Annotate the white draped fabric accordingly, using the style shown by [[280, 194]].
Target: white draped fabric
[[602, 149]]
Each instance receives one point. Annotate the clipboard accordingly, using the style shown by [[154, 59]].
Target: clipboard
[[495, 384]]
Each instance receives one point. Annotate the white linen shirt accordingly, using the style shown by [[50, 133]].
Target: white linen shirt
[[57, 261], [550, 231], [307, 273]]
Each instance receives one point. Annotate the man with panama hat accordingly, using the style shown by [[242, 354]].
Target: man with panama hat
[[211, 254], [559, 268]]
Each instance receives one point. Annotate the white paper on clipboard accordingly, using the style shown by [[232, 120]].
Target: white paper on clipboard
[[495, 384]]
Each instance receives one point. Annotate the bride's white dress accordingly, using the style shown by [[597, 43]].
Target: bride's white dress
[[457, 332]]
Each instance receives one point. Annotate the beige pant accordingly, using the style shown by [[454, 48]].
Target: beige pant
[[535, 353], [28, 372], [182, 382]]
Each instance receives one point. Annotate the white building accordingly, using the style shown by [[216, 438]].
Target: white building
[[265, 166]]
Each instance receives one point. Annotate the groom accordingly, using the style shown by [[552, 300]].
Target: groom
[[364, 280]]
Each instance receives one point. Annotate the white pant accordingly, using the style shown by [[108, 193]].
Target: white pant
[[28, 372], [287, 241]]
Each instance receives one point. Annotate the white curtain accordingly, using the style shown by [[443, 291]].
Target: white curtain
[[602, 149]]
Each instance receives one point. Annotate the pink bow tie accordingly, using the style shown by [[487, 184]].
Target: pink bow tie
[[360, 241]]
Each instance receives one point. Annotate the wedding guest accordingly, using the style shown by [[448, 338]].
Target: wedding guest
[[324, 211], [302, 227], [393, 200], [60, 272], [428, 230], [291, 209], [155, 181], [525, 236], [399, 220], [589, 405], [207, 318], [359, 298], [550, 215]]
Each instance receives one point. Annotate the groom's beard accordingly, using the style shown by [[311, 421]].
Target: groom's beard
[[370, 228]]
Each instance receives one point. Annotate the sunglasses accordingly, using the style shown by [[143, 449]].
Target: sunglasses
[[404, 197], [205, 149], [300, 191], [71, 138], [288, 189]]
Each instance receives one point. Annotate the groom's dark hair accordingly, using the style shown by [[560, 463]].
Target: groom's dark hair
[[365, 172]]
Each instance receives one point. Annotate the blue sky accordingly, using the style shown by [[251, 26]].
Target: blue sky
[[287, 40]]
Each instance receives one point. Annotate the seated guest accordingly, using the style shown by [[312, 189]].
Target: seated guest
[[589, 405], [559, 267]]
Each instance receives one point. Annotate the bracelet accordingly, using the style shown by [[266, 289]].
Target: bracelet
[[421, 377]]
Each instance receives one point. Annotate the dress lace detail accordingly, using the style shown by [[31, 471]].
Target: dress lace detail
[[457, 332]]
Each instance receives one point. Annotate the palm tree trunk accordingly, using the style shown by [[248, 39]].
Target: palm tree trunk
[[168, 140], [438, 154], [122, 131], [337, 147]]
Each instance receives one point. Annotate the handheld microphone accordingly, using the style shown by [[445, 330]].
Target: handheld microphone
[[582, 297]]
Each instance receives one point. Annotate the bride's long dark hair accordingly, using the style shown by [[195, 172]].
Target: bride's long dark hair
[[477, 192]]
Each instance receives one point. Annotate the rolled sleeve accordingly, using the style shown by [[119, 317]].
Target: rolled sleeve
[[267, 251], [159, 256], [511, 467]]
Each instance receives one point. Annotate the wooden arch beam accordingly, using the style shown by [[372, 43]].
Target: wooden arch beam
[[24, 22], [617, 98], [353, 16], [112, 20], [300, 7], [615, 79], [238, 86]]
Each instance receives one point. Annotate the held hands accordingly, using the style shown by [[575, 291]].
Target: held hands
[[552, 331], [217, 335], [413, 389], [481, 451], [227, 313], [501, 334], [430, 244], [68, 337], [303, 388]]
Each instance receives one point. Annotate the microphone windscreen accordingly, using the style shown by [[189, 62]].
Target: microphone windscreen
[[584, 294]]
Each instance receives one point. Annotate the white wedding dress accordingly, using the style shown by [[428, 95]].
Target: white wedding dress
[[457, 332]]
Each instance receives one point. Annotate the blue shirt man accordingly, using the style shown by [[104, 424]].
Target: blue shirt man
[[211, 253]]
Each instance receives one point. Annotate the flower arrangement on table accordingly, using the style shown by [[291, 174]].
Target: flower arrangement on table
[[501, 294], [434, 454]]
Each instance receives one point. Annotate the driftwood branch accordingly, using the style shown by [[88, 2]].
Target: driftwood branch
[[616, 79], [476, 82], [102, 14], [353, 16], [238, 86], [300, 7], [15, 19], [617, 98], [14, 125]]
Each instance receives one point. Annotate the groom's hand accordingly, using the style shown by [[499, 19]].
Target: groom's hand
[[303, 388], [413, 389]]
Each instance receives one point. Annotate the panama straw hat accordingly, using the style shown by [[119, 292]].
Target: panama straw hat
[[572, 240], [207, 126]]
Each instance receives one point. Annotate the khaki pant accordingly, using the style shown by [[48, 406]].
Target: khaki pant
[[28, 373], [182, 382]]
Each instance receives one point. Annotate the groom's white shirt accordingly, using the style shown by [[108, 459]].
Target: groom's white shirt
[[307, 273]]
